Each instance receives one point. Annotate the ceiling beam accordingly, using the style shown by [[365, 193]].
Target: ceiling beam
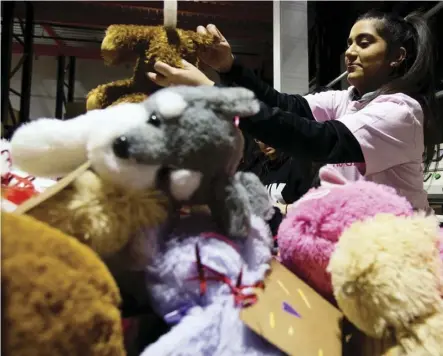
[[84, 14], [45, 50], [55, 51], [259, 11], [51, 32]]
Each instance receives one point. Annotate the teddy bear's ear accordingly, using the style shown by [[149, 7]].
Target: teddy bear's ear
[[331, 177]]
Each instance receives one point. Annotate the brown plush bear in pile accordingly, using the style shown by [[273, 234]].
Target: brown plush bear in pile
[[58, 297], [143, 45]]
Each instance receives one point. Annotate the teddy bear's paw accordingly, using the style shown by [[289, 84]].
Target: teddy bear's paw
[[109, 94]]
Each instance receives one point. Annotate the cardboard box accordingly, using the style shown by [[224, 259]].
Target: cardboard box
[[293, 317]]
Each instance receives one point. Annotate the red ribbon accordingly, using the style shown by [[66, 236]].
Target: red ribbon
[[214, 235], [20, 191], [240, 299]]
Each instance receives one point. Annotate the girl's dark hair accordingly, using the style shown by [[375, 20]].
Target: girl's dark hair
[[415, 76]]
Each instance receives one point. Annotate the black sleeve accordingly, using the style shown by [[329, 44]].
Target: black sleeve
[[275, 221], [244, 77], [326, 142], [299, 179], [248, 152]]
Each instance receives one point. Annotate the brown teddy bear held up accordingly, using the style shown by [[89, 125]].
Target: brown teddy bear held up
[[145, 45]]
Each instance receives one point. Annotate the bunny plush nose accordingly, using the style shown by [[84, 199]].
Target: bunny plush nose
[[120, 147]]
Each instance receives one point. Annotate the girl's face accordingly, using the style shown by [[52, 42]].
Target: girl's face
[[366, 58]]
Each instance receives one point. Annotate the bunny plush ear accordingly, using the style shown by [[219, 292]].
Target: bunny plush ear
[[51, 147], [329, 177], [228, 101]]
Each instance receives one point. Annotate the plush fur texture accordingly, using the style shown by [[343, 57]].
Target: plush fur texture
[[386, 277], [103, 216], [54, 148], [58, 298], [212, 325], [308, 235], [143, 45], [105, 207], [189, 140]]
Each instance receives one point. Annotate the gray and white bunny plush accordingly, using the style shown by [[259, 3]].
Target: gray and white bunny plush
[[182, 140], [191, 142]]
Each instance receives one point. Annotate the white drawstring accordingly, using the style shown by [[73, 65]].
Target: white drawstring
[[170, 14]]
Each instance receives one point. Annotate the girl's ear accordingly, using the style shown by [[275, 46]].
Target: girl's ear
[[398, 58], [331, 177]]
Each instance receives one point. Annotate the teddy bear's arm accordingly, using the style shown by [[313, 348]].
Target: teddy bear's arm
[[105, 94], [121, 91], [201, 40]]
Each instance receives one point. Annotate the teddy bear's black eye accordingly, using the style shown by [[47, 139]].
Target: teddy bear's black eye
[[154, 120]]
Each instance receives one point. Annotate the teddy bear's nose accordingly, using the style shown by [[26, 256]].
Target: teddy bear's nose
[[121, 147]]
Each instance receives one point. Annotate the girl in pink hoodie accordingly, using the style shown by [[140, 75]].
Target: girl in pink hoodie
[[382, 129]]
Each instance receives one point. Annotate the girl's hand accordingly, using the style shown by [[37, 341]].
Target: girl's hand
[[170, 76], [284, 208], [219, 57]]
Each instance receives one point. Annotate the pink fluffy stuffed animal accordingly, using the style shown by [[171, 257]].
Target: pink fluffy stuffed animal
[[307, 236]]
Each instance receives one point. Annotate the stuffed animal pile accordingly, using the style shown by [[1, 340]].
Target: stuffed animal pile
[[307, 237], [111, 197], [363, 247], [107, 202], [128, 169], [182, 141]]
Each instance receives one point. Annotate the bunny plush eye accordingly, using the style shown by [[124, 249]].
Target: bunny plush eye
[[154, 120]]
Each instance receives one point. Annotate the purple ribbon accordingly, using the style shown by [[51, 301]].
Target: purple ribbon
[[177, 315]]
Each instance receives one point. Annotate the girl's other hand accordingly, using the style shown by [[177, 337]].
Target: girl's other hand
[[284, 208], [219, 57]]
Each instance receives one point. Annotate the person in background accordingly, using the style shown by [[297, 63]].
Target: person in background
[[286, 178], [381, 129]]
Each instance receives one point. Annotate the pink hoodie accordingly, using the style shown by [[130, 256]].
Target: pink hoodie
[[390, 132]]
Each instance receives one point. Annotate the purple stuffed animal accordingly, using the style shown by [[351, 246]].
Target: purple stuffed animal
[[200, 280]]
